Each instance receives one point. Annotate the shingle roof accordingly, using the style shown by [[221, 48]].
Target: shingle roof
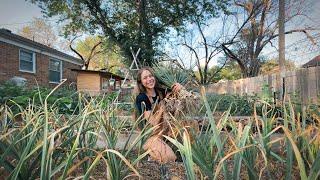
[[312, 63], [103, 73], [5, 33]]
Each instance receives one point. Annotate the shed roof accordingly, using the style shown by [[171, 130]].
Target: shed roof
[[101, 73], [313, 62]]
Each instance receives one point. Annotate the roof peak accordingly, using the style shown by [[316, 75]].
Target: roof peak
[[8, 35], [6, 30]]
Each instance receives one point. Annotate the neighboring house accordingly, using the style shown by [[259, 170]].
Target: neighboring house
[[99, 82], [37, 63], [312, 63]]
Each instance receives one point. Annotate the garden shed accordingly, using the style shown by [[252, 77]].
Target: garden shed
[[97, 82]]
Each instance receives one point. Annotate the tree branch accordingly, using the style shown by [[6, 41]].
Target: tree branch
[[91, 55], [305, 31], [197, 57], [217, 71], [100, 17], [75, 51], [251, 15], [230, 54]]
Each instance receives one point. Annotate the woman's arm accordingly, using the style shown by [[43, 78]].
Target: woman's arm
[[144, 107], [153, 119]]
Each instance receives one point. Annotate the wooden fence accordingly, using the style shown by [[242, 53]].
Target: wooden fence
[[304, 83]]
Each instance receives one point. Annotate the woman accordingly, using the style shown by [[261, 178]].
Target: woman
[[149, 95]]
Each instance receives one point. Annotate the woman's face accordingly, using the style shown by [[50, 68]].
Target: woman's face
[[147, 79]]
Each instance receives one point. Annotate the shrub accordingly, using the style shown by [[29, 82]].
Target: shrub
[[65, 100]]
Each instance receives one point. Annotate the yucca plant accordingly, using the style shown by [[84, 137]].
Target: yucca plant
[[176, 103]]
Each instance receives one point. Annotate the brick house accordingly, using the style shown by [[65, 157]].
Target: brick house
[[21, 57]]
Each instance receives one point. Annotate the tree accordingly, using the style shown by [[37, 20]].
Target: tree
[[230, 71], [137, 24], [272, 66], [98, 54], [40, 31], [204, 50], [258, 30], [201, 42], [88, 51]]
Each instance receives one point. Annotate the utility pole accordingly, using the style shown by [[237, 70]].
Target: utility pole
[[282, 57]]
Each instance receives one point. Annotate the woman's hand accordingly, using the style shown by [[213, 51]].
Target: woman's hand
[[176, 87]]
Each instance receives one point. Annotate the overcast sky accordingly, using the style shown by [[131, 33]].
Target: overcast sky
[[15, 14]]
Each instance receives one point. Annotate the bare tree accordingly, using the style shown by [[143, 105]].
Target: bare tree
[[202, 46], [204, 52], [259, 29], [205, 44]]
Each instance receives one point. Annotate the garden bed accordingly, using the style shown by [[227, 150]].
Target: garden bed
[[81, 137]]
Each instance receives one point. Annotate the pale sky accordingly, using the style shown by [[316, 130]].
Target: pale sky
[[15, 14]]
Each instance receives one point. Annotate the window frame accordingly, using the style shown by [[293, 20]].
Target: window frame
[[33, 61], [61, 70]]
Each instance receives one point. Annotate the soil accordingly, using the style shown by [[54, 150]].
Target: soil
[[151, 170]]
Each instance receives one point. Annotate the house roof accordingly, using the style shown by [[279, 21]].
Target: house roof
[[101, 73], [7, 36], [313, 62]]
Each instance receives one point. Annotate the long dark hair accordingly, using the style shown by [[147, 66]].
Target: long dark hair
[[141, 89], [140, 86]]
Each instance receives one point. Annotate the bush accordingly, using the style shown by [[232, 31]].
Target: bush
[[64, 99]]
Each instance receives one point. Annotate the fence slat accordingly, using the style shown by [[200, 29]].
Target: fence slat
[[304, 82]]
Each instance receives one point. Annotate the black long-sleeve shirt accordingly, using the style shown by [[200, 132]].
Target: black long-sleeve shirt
[[143, 103]]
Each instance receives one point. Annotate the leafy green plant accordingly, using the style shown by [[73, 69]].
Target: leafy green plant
[[266, 94], [216, 138], [242, 105], [208, 145], [241, 137], [42, 142], [64, 99], [254, 140]]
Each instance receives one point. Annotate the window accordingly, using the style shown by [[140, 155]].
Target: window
[[27, 61], [105, 84], [55, 71]]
